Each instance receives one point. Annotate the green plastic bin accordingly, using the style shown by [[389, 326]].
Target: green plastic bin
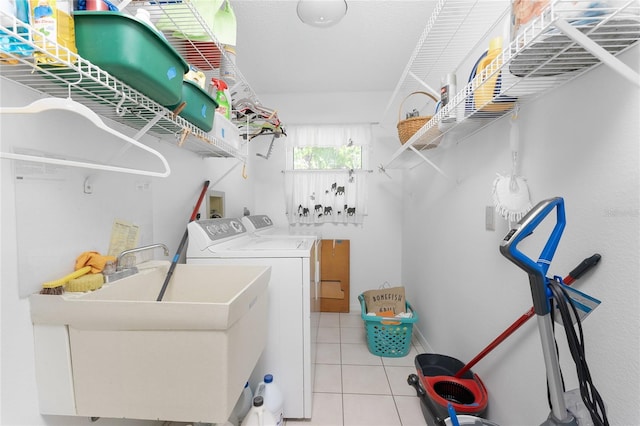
[[133, 52], [200, 107]]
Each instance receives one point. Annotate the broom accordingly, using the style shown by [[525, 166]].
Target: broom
[[511, 193]]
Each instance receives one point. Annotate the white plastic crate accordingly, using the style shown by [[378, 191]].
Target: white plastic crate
[[225, 131]]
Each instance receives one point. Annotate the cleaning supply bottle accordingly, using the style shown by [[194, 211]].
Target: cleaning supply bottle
[[143, 15], [273, 399], [228, 65], [490, 85], [242, 407], [223, 99], [259, 415], [53, 19], [447, 92]]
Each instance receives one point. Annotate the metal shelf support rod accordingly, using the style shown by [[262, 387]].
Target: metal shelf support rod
[[429, 88], [431, 163], [137, 136], [149, 125], [225, 174], [599, 52]]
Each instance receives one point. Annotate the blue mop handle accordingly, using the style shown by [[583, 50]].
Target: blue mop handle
[[537, 270], [452, 415]]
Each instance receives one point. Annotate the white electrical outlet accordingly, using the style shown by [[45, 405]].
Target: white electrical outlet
[[490, 218], [142, 186]]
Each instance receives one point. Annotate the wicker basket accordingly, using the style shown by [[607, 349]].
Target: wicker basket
[[407, 128]]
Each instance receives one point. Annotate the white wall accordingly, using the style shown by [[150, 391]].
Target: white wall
[[70, 222], [579, 142]]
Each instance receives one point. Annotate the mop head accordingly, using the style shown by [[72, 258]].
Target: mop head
[[511, 197]]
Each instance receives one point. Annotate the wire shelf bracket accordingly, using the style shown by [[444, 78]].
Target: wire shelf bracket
[[598, 51]]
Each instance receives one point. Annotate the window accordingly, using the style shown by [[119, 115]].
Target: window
[[327, 158], [325, 180]]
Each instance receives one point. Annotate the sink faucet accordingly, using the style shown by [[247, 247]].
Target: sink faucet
[[136, 250]]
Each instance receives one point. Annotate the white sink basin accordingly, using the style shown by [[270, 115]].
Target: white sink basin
[[125, 355], [198, 297]]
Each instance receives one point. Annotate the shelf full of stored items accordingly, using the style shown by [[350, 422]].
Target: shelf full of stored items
[[559, 43], [71, 76], [59, 72], [207, 42]]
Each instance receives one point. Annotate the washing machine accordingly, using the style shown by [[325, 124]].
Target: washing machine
[[262, 225], [293, 300]]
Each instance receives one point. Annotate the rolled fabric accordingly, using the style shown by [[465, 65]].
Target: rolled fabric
[[93, 259]]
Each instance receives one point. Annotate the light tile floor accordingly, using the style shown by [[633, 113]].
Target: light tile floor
[[352, 386]]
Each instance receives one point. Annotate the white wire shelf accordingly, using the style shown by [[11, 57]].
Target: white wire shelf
[[555, 48], [73, 76], [187, 30]]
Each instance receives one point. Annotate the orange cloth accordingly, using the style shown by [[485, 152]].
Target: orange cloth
[[388, 314], [93, 259]]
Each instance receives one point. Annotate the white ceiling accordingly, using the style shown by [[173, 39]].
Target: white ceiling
[[366, 51]]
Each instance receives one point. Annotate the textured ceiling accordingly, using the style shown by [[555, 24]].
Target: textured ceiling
[[366, 51]]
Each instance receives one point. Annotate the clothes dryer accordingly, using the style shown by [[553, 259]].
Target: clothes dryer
[[262, 225]]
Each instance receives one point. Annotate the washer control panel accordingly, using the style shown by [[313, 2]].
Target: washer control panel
[[221, 228], [257, 222]]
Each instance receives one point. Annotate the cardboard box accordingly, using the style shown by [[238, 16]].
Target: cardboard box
[[331, 290], [334, 275]]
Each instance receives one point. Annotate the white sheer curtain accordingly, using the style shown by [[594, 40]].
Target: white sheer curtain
[[327, 196]]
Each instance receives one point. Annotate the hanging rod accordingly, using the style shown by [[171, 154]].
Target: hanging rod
[[349, 171], [70, 105]]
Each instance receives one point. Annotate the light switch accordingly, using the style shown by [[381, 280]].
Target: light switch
[[489, 218]]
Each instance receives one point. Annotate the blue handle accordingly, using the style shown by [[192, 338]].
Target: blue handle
[[537, 270], [452, 415]]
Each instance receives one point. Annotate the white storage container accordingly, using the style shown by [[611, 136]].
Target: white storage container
[[273, 399], [224, 130]]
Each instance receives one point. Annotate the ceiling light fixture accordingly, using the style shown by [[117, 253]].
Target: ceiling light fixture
[[321, 13]]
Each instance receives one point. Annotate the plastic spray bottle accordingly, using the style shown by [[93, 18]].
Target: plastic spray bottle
[[223, 98]]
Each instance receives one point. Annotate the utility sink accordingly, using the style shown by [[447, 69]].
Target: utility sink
[[120, 353]]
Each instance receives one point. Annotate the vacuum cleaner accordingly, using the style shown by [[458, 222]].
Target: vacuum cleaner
[[444, 382], [573, 306]]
